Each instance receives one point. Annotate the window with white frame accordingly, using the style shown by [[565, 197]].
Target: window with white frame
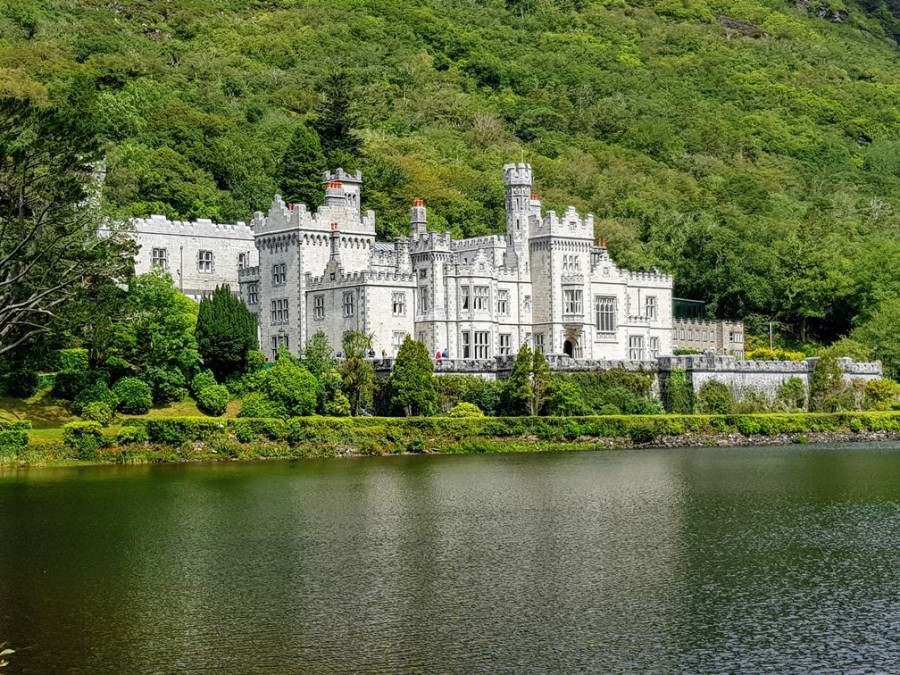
[[605, 309], [280, 311], [736, 336], [348, 304], [279, 274], [160, 258], [650, 307], [242, 261], [466, 343], [636, 347], [205, 262], [539, 342], [398, 303], [654, 347], [682, 333], [423, 272], [422, 336], [424, 294], [252, 294], [503, 303], [397, 340], [505, 346], [279, 342], [318, 307], [480, 298], [464, 297], [572, 301], [482, 344]]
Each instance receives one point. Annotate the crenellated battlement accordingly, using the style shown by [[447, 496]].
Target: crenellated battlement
[[202, 227], [517, 175], [570, 225], [282, 216], [358, 279]]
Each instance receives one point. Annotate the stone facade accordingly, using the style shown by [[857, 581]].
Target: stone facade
[[720, 337], [199, 255]]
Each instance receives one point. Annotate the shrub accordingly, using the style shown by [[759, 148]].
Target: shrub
[[83, 439], [13, 438], [202, 380], [678, 393], [214, 399], [167, 385], [338, 406], [827, 390], [609, 409], [97, 411], [466, 410], [223, 444], [117, 367], [752, 402], [881, 395], [791, 395], [22, 382], [73, 359], [292, 386], [69, 383], [135, 396], [95, 393], [129, 435], [714, 398], [259, 405]]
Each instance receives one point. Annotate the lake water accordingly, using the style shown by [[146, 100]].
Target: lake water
[[699, 560]]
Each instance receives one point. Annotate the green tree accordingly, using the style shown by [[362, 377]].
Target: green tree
[[357, 374], [226, 333], [51, 251], [540, 382], [827, 390], [291, 385], [881, 333], [336, 120], [412, 382], [301, 168], [319, 360], [159, 329], [517, 388]]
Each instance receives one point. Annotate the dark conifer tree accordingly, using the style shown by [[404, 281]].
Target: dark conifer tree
[[226, 333], [336, 119], [301, 168]]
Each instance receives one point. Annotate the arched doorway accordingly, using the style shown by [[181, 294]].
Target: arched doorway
[[569, 348]]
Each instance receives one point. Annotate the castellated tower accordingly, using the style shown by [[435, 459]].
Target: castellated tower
[[517, 179]]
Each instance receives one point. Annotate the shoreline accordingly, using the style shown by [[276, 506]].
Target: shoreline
[[49, 456]]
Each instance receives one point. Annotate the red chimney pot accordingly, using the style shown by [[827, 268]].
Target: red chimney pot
[[534, 197], [418, 202]]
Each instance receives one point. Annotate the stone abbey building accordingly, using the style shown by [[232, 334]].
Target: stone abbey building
[[546, 282]]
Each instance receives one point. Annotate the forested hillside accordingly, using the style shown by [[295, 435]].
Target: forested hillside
[[751, 147]]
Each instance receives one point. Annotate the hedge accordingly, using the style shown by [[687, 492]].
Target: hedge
[[13, 438], [434, 431]]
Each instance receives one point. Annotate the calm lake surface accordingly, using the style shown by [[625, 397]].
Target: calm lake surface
[[703, 560]]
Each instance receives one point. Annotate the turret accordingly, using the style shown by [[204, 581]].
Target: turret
[[335, 244], [418, 219], [520, 204], [350, 183]]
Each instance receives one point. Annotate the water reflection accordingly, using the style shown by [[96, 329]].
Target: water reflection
[[698, 560]]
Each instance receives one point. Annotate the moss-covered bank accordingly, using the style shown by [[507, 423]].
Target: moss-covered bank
[[211, 439]]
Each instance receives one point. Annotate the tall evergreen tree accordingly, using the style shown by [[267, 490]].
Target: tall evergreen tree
[[301, 168], [540, 381], [226, 333], [412, 382], [517, 388], [336, 119]]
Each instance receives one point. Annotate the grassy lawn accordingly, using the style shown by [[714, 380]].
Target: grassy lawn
[[48, 414]]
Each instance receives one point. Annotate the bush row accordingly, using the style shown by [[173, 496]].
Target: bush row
[[430, 432]]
